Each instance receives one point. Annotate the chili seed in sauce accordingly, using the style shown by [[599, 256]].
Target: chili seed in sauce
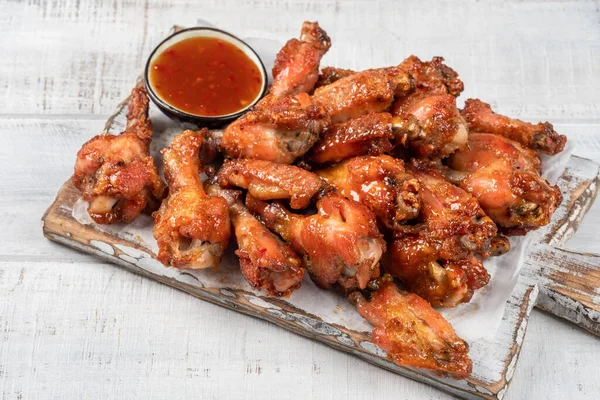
[[205, 76]]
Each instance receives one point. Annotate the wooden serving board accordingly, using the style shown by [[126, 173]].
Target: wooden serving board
[[564, 283]]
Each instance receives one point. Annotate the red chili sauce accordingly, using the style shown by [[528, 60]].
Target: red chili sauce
[[205, 76]]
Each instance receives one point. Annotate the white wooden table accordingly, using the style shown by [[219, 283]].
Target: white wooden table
[[73, 327]]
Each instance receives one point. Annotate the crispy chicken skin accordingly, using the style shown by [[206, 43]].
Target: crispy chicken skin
[[433, 77], [365, 92], [540, 137], [266, 180], [341, 243], [436, 257], [278, 130], [116, 174], [373, 134], [266, 261], [412, 332], [379, 182], [433, 104], [192, 228], [504, 177], [442, 129], [329, 75], [296, 68]]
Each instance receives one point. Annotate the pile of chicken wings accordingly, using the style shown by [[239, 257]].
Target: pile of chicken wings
[[373, 182]]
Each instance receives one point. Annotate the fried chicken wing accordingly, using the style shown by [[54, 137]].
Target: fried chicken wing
[[267, 180], [433, 103], [367, 134], [341, 243], [540, 137], [504, 176], [379, 182], [329, 75], [435, 258], [192, 228], [278, 130], [362, 93], [296, 68], [266, 261], [441, 130], [116, 174], [433, 77], [412, 332]]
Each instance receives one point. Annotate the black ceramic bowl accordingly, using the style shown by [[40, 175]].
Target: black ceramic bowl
[[201, 120]]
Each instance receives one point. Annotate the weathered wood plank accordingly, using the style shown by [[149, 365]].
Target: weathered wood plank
[[527, 60]]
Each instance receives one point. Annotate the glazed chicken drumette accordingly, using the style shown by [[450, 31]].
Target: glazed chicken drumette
[[191, 227], [116, 174]]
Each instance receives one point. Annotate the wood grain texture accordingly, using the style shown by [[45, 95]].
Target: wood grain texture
[[72, 327]]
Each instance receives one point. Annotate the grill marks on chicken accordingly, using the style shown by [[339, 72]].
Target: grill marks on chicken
[[296, 68], [435, 258], [540, 137], [341, 243], [266, 261], [504, 177], [380, 183], [116, 174], [411, 331], [192, 228], [266, 180]]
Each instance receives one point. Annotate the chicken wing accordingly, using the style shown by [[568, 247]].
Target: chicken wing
[[435, 258], [372, 134], [329, 75], [504, 176], [116, 174], [412, 332], [362, 93], [266, 261], [540, 137], [296, 68], [266, 180], [278, 130], [192, 228], [433, 77], [433, 104], [341, 243], [380, 183], [441, 130]]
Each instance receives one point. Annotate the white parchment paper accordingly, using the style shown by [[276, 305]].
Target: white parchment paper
[[477, 319]]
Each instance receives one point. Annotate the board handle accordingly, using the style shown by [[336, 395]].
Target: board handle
[[569, 281]]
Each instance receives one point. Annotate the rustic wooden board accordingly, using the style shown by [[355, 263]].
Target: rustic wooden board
[[567, 282], [73, 326], [562, 282], [568, 290]]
